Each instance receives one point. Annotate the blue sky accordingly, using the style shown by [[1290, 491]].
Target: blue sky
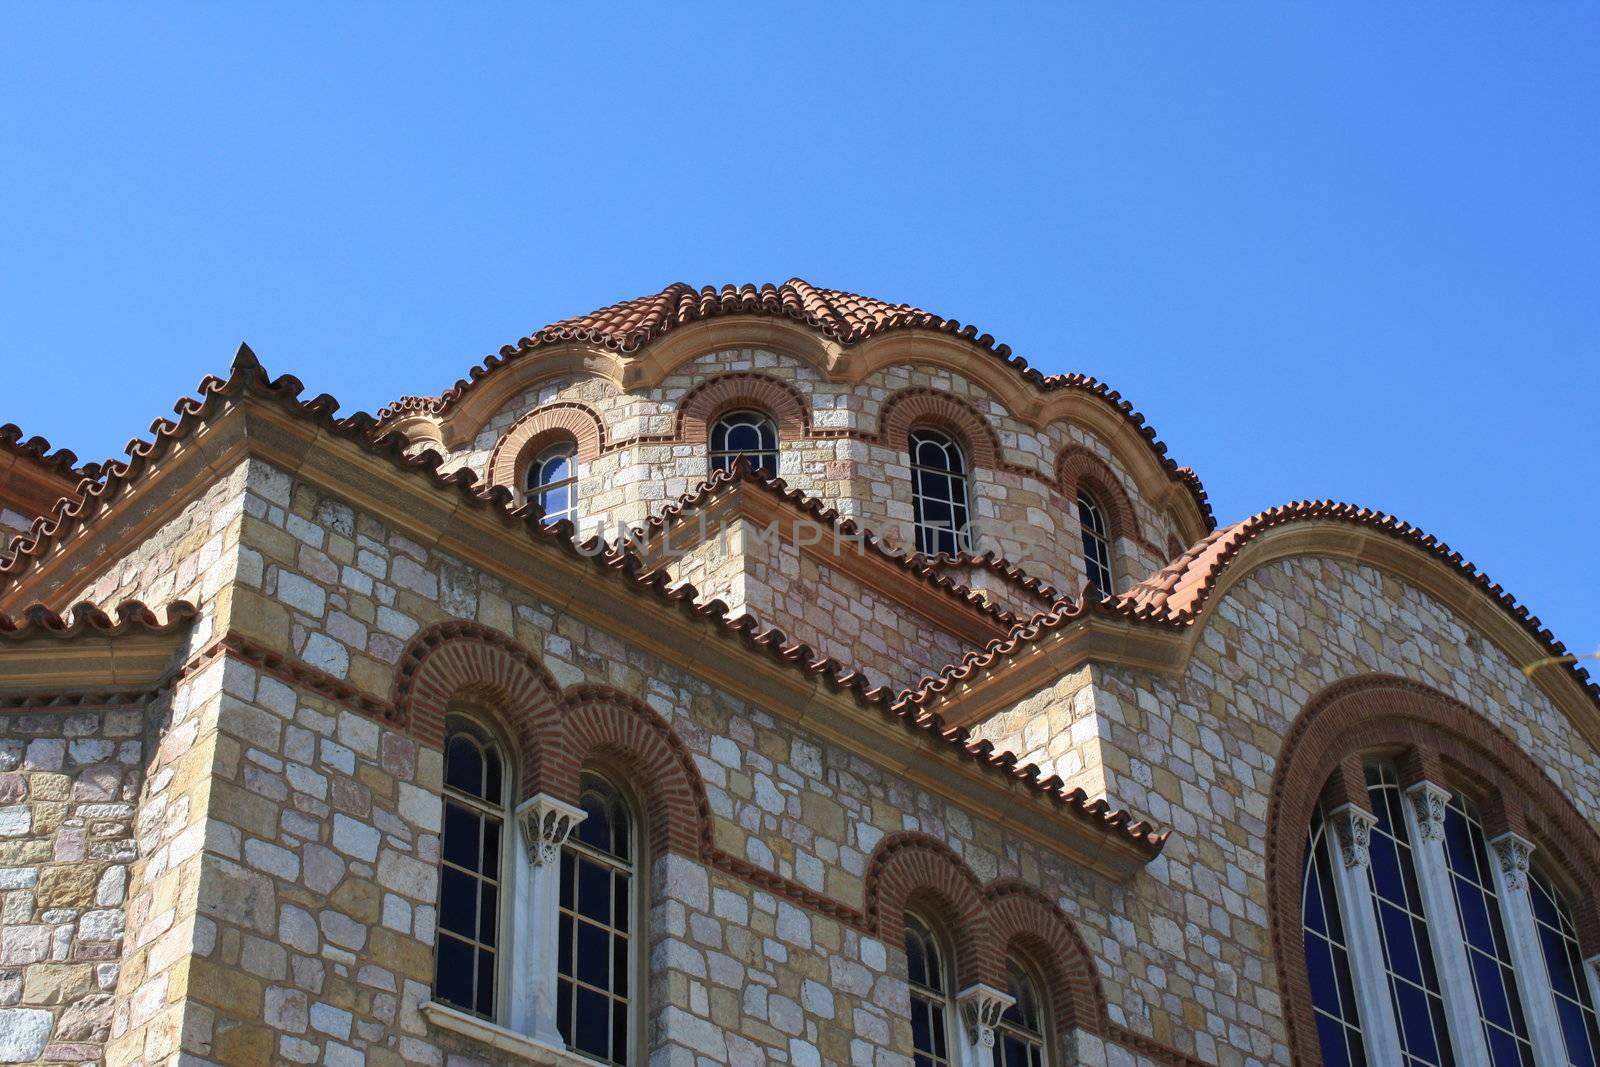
[[1342, 252]]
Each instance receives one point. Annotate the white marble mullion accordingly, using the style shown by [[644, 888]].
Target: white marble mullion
[[1380, 1034], [546, 823], [1508, 860]]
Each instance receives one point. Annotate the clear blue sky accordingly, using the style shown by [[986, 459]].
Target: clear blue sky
[[1342, 252]]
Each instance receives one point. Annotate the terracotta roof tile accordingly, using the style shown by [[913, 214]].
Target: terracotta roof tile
[[87, 619], [62, 462]]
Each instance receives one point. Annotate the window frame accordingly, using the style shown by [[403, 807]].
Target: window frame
[[535, 491], [1095, 533], [719, 459], [1318, 864], [485, 737], [959, 478], [1040, 1039], [932, 934], [638, 915]]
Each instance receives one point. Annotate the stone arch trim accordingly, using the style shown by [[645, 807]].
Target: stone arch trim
[[916, 407], [465, 661], [702, 404], [1383, 712], [1078, 468], [910, 869], [1023, 918], [597, 723], [512, 453]]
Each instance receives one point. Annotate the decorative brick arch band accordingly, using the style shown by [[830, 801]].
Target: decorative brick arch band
[[600, 725], [716, 396], [914, 408], [911, 870], [1434, 733], [456, 662], [508, 464], [1025, 922], [1078, 468]]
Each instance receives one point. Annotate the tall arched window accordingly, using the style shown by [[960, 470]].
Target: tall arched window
[[1558, 936], [1482, 928], [1333, 994], [939, 494], [751, 434], [1019, 1039], [1096, 544], [928, 972], [553, 481], [594, 984], [1403, 928], [467, 954]]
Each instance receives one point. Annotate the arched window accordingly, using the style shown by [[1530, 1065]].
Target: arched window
[[553, 481], [470, 881], [751, 434], [1482, 928], [1333, 994], [939, 494], [595, 971], [1019, 1039], [1096, 544], [1403, 927], [928, 973], [1558, 936]]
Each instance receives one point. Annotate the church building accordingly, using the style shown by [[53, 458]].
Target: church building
[[764, 675]]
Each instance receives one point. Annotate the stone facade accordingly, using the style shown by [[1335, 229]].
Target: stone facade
[[235, 857]]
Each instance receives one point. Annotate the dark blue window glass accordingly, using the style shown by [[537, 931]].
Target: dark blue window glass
[[939, 494], [469, 870], [1477, 906], [596, 927], [745, 433], [1333, 995], [1558, 936], [553, 482], [1403, 929]]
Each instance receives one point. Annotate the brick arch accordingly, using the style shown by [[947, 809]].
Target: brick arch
[[1380, 712], [1025, 921], [913, 408], [463, 661], [915, 870], [508, 463], [601, 724], [1078, 468], [701, 405]]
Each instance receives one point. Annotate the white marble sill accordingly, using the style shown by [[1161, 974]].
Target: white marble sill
[[459, 1022]]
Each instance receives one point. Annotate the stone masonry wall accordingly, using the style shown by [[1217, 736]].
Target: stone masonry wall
[[69, 780]]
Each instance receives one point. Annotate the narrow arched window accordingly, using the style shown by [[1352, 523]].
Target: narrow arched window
[[1403, 928], [1482, 928], [467, 953], [1019, 1040], [750, 434], [928, 973], [1096, 544], [1333, 994], [939, 494], [1558, 936], [594, 983], [553, 482]]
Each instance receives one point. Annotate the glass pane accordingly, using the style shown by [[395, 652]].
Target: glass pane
[[458, 902], [594, 955], [462, 832], [593, 1029], [453, 973], [463, 766]]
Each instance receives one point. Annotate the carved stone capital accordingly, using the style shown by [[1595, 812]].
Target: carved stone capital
[[546, 824], [1353, 828], [1511, 851], [1428, 802], [981, 1007]]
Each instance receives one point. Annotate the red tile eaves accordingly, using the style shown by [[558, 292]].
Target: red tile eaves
[[87, 620], [248, 377]]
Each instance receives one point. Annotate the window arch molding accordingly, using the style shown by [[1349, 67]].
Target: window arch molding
[[915, 872], [1077, 469], [535, 432], [915, 408], [1025, 922], [702, 405], [1430, 732]]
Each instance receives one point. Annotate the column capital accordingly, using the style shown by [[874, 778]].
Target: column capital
[[1353, 827], [1512, 850], [1428, 800], [981, 1007], [546, 824]]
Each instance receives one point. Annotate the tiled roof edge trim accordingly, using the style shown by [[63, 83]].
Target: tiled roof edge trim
[[1176, 595], [63, 461], [88, 620], [247, 376], [649, 317], [742, 473]]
